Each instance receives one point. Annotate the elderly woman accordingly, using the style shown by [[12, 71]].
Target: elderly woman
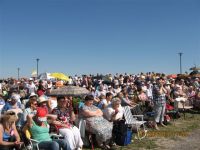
[[95, 123], [65, 117], [114, 111], [9, 137]]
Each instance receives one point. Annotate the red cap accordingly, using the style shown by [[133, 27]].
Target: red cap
[[41, 113]]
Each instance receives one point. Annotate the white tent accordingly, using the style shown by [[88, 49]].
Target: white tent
[[45, 76]]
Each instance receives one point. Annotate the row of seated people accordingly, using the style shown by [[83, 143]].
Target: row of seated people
[[35, 119], [99, 122], [62, 117]]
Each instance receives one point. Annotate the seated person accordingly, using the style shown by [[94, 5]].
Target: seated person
[[39, 129], [13, 105], [125, 100], [2, 102], [9, 137], [114, 111], [106, 100], [95, 123], [31, 108], [197, 100], [64, 123]]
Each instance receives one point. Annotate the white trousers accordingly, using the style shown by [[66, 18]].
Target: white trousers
[[72, 135]]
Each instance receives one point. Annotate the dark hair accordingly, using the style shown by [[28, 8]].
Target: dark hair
[[89, 97], [60, 97], [108, 94]]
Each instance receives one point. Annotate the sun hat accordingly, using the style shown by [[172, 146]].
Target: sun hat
[[42, 98], [32, 95], [42, 114]]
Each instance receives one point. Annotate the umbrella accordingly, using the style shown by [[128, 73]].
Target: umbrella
[[69, 91], [60, 76], [195, 68], [174, 76], [196, 75], [194, 72]]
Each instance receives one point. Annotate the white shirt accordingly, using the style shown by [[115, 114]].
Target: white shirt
[[109, 111]]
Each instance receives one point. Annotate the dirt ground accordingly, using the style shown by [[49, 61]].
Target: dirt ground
[[191, 142]]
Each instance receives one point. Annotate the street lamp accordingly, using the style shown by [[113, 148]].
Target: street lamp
[[180, 54], [18, 73], [37, 65]]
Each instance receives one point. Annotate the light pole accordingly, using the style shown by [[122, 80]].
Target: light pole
[[180, 54], [37, 65], [18, 73]]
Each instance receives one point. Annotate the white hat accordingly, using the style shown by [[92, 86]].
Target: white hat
[[42, 98], [32, 95], [30, 79], [167, 82]]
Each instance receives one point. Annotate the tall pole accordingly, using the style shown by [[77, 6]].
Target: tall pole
[[180, 54], [18, 73], [37, 65]]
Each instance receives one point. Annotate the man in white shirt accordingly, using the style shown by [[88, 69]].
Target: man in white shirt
[[31, 86]]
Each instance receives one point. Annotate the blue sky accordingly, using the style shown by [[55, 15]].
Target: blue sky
[[98, 36]]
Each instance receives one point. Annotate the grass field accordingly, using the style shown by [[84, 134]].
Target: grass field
[[178, 129]]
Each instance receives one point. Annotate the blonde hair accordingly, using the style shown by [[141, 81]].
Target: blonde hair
[[9, 117]]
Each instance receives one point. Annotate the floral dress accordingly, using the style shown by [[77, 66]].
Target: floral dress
[[97, 125], [64, 117]]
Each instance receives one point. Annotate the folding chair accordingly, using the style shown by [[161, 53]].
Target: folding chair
[[82, 125], [132, 120], [34, 144]]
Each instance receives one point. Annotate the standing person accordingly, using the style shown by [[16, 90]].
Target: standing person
[[65, 117], [159, 98], [31, 86]]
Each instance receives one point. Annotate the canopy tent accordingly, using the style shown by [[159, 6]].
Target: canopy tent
[[45, 76]]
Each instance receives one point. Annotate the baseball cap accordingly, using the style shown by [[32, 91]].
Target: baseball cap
[[42, 114]]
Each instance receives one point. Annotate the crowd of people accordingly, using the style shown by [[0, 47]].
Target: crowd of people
[[26, 104]]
